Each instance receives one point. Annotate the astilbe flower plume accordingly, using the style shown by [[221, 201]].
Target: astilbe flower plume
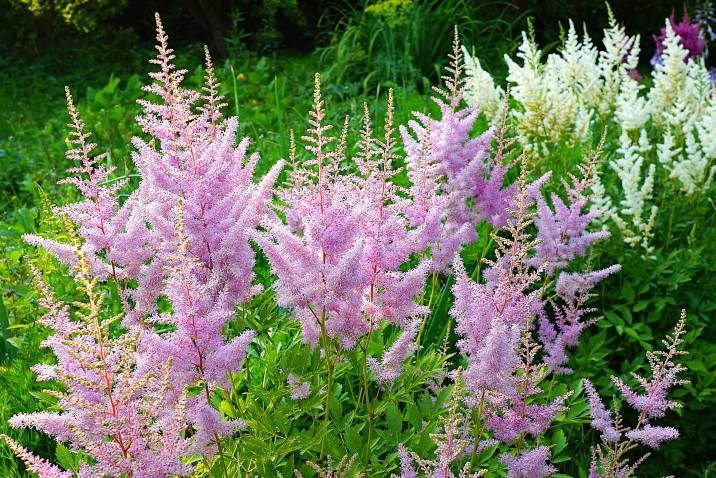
[[490, 318], [601, 417], [198, 197], [530, 464], [34, 464], [563, 235], [466, 175], [494, 325], [511, 417], [338, 255], [390, 367], [609, 459], [96, 215], [563, 231], [299, 390], [182, 235], [125, 422], [341, 470]]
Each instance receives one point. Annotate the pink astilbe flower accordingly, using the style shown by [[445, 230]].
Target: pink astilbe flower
[[654, 403], [211, 427], [608, 459], [48, 422], [600, 467], [346, 235], [43, 468], [124, 421], [563, 232], [300, 390], [530, 464], [452, 173], [390, 367], [494, 323], [562, 237], [204, 269], [197, 346], [571, 316], [406, 463], [512, 416], [193, 159], [490, 319], [96, 214], [653, 436], [601, 417]]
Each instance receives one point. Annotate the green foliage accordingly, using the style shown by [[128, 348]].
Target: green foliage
[[83, 15], [404, 41]]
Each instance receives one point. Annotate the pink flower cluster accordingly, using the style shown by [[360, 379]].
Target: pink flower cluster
[[494, 320], [608, 460], [338, 255], [121, 419], [181, 236]]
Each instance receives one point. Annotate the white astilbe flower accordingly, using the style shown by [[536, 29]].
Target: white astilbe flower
[[548, 108], [687, 152], [480, 87], [577, 68], [632, 111], [666, 151], [706, 129], [693, 170], [619, 56], [669, 76], [634, 217], [561, 96], [681, 87]]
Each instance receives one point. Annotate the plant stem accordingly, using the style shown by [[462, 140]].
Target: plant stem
[[369, 410], [485, 246], [478, 431], [236, 92], [329, 380], [668, 232], [221, 456], [430, 302]]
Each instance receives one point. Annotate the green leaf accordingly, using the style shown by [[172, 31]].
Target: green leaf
[[559, 440], [353, 440], [7, 347], [194, 390], [628, 292], [65, 458], [413, 415], [394, 419]]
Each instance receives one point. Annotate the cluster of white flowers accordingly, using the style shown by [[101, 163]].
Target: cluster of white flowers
[[573, 94], [480, 87], [558, 98], [683, 109], [634, 216]]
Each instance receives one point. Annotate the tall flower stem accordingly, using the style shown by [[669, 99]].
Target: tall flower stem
[[433, 286], [329, 377], [478, 429], [366, 392], [485, 246]]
